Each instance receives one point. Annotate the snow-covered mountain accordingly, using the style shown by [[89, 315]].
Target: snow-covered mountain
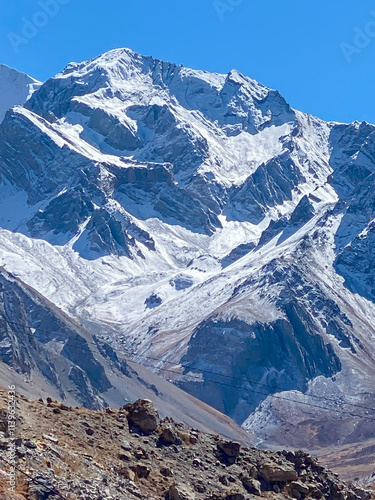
[[15, 88], [198, 223], [45, 353]]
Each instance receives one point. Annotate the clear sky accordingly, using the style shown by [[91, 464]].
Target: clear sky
[[295, 46]]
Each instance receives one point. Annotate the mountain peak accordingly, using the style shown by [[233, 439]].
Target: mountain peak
[[15, 88], [113, 58]]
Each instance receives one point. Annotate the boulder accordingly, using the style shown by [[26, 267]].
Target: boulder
[[295, 494], [252, 486], [278, 473], [166, 472], [4, 442], [141, 471], [235, 496], [126, 456], [180, 492], [230, 448], [125, 445], [143, 414], [169, 436], [127, 474], [299, 486]]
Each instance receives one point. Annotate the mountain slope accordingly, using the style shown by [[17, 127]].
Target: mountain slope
[[44, 352], [132, 453], [199, 224]]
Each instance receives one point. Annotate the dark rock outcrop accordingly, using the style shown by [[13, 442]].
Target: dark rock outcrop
[[143, 414]]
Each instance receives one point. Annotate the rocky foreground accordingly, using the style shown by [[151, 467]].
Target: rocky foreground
[[130, 453]]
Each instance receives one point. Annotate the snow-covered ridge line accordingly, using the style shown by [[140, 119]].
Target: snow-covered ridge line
[[15, 88]]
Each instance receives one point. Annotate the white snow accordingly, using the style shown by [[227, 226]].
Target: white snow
[[15, 88]]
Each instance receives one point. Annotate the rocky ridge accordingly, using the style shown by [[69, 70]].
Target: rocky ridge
[[75, 453]]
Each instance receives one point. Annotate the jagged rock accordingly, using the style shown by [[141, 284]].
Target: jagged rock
[[143, 414], [125, 445], [53, 439], [128, 474], [21, 451], [296, 494], [166, 472], [361, 493], [230, 448], [253, 486], [223, 480], [147, 471], [4, 442], [180, 492], [169, 436], [235, 496], [42, 488], [300, 487], [351, 495], [276, 473], [193, 439], [126, 456], [141, 471], [141, 454]]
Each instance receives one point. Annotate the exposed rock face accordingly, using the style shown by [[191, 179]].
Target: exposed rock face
[[28, 345], [286, 349], [270, 185], [63, 214], [107, 234]]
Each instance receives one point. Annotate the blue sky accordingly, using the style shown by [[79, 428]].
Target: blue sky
[[294, 46]]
